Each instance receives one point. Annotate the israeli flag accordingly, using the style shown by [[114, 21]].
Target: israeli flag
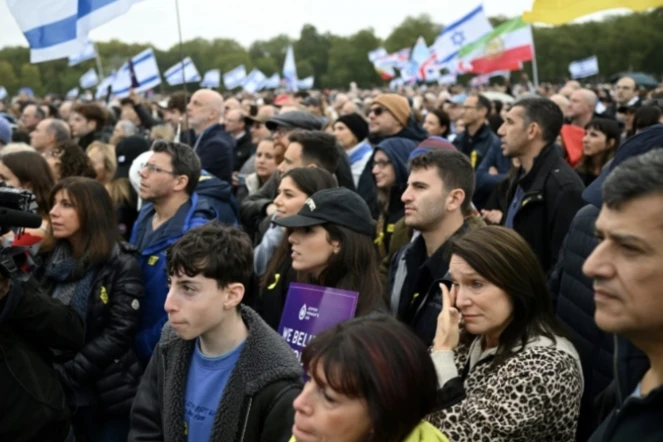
[[73, 93], [212, 79], [255, 81], [59, 28], [584, 68], [146, 71], [467, 29], [184, 69], [290, 70], [3, 93], [306, 83], [102, 88], [447, 80], [234, 78], [396, 83], [89, 52], [273, 82], [89, 79], [26, 91], [377, 54]]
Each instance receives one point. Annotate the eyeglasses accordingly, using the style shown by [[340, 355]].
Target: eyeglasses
[[53, 154], [381, 163], [377, 111], [151, 168]]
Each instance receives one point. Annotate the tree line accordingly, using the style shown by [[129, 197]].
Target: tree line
[[622, 43]]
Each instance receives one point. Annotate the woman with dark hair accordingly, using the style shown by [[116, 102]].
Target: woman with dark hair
[[99, 276], [645, 117], [272, 256], [29, 171], [369, 380], [601, 141], [509, 374], [331, 245], [390, 173], [68, 160], [437, 123]]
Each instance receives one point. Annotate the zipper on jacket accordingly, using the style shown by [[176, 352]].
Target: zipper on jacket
[[246, 419]]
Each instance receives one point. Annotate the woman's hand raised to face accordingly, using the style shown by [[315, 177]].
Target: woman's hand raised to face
[[448, 322]]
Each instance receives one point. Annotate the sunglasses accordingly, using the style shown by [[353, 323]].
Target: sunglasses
[[377, 111]]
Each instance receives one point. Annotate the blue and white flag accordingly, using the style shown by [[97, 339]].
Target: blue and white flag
[[26, 91], [89, 79], [255, 81], [184, 70], [273, 82], [396, 83], [290, 70], [306, 83], [467, 29], [59, 28], [102, 88], [146, 71], [212, 79], [584, 68], [3, 93], [88, 53], [73, 93], [377, 54], [234, 78], [447, 79]]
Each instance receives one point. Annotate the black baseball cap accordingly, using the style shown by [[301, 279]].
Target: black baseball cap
[[339, 206]]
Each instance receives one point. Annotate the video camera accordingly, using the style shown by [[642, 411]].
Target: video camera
[[16, 207]]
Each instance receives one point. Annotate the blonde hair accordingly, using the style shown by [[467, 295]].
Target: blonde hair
[[162, 132], [16, 147], [108, 153]]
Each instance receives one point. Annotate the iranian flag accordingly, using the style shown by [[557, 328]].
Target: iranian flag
[[505, 48]]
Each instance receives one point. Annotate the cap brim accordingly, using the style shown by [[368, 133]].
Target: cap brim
[[296, 221]]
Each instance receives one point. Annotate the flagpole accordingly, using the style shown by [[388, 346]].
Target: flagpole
[[179, 29], [535, 66], [100, 68]]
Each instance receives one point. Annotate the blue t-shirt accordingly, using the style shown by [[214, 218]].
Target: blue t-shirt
[[205, 384]]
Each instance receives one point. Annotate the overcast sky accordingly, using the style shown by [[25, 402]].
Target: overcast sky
[[155, 22]]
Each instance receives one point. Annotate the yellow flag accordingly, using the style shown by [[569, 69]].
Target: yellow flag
[[558, 12]]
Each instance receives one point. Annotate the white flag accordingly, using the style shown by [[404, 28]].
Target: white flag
[[185, 69], [584, 68], [73, 93], [467, 29], [255, 81], [147, 74], [306, 83], [211, 79], [89, 79], [89, 52], [3, 92], [234, 78]]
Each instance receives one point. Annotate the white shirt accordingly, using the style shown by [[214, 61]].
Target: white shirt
[[359, 166]]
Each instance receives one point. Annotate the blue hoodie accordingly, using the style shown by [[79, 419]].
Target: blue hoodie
[[212, 200], [398, 151]]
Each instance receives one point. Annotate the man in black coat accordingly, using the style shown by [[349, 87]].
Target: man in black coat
[[546, 193], [219, 373], [214, 146], [32, 401], [236, 126], [626, 269], [573, 292]]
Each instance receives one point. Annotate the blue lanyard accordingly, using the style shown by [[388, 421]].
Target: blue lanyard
[[359, 153]]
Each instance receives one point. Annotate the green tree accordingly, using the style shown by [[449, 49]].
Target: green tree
[[312, 53], [405, 35], [8, 77], [30, 77], [348, 61]]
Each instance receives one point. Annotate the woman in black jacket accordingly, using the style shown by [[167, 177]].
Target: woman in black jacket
[[92, 271]]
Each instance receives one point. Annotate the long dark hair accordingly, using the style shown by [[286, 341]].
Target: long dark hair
[[354, 268], [377, 359], [504, 258], [31, 167], [610, 129], [308, 180], [96, 216]]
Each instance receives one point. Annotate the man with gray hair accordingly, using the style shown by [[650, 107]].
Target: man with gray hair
[[626, 269], [48, 134], [573, 292], [214, 145], [582, 105]]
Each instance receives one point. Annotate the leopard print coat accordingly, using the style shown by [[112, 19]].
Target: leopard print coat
[[532, 397]]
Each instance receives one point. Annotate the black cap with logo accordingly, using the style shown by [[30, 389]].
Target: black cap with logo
[[339, 206]]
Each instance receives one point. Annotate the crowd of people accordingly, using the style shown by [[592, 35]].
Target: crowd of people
[[506, 253]]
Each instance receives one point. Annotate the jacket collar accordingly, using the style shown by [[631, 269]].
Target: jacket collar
[[547, 161]]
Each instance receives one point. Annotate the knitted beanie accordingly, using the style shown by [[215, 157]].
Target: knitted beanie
[[397, 105], [432, 143], [357, 125]]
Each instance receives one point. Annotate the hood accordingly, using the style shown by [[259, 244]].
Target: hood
[[398, 150], [211, 187], [173, 228], [425, 432], [648, 139], [413, 131]]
